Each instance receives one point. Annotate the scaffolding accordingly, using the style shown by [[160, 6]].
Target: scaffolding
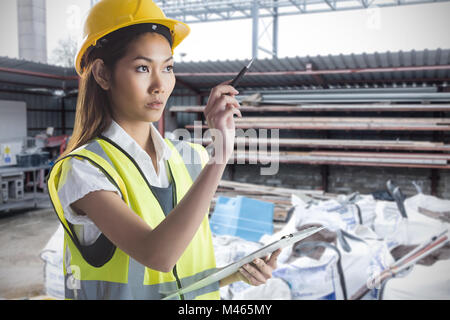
[[197, 11]]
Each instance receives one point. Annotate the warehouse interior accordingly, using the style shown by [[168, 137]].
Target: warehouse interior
[[363, 135]]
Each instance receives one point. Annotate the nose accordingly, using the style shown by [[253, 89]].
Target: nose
[[156, 84]]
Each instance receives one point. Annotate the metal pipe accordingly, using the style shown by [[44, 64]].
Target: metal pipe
[[37, 74], [264, 73], [249, 83], [327, 107], [28, 85], [275, 31], [255, 30], [316, 72], [354, 97], [340, 90], [12, 90]]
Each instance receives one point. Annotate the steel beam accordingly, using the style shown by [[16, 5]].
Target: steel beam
[[190, 10], [37, 74], [316, 72], [255, 30], [275, 31]]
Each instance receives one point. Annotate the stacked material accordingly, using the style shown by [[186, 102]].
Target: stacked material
[[338, 144], [341, 123], [365, 243], [393, 147], [325, 107], [280, 197], [389, 159]]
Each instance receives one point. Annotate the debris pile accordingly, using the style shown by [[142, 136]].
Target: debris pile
[[370, 249]]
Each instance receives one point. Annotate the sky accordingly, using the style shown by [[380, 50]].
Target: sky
[[404, 28]]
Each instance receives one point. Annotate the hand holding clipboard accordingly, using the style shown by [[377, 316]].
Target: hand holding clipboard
[[228, 270]]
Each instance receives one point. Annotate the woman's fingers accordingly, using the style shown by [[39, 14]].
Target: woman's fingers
[[272, 260], [219, 101], [230, 107], [263, 268], [219, 111], [217, 93], [229, 100], [250, 278], [259, 271], [221, 118]]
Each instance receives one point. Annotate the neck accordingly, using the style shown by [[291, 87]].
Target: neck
[[140, 132]]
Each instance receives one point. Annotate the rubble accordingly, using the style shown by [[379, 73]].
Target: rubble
[[365, 239]]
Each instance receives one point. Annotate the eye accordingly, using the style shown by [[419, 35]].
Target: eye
[[142, 69], [168, 68]]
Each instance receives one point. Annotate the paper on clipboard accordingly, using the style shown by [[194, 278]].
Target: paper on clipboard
[[228, 270]]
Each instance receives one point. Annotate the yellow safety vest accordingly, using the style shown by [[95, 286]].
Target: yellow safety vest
[[95, 273]]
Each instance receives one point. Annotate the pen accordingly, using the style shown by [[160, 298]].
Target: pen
[[241, 73], [238, 78]]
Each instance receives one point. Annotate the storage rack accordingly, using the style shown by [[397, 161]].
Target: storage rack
[[13, 193]]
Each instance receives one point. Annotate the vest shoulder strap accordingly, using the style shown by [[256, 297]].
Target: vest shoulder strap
[[194, 156], [94, 153]]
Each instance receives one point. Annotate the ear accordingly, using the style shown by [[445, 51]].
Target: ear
[[101, 74]]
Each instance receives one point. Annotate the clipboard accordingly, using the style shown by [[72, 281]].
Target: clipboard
[[233, 267]]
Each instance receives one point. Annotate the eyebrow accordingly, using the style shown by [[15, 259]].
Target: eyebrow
[[150, 60]]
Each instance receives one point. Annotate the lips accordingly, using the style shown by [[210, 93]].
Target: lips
[[157, 104]]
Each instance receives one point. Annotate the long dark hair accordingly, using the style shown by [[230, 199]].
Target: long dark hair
[[93, 111]]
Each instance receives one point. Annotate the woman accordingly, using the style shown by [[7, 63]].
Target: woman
[[133, 208]]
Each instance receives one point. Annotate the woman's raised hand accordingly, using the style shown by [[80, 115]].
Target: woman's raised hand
[[219, 111]]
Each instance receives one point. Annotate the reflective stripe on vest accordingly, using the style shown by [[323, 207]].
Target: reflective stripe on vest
[[122, 277], [91, 290]]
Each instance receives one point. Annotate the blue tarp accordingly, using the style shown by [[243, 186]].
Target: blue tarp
[[242, 217]]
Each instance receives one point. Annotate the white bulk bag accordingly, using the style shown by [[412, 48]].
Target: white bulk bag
[[52, 255]]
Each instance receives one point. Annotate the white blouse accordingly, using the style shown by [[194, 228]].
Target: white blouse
[[83, 177]]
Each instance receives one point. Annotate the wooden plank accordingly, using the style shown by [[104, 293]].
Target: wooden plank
[[384, 154], [266, 189], [279, 200], [295, 141], [335, 126], [344, 119], [369, 159], [337, 144], [373, 155], [280, 197], [356, 163], [328, 107], [319, 161], [286, 142]]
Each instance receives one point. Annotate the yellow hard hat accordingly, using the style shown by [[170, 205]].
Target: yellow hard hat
[[107, 16]]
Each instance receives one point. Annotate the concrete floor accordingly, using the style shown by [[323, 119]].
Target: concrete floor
[[23, 234]]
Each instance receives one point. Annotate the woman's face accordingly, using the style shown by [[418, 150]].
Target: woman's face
[[143, 80]]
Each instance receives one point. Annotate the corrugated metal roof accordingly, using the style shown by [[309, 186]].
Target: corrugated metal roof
[[398, 67], [366, 69], [29, 74]]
